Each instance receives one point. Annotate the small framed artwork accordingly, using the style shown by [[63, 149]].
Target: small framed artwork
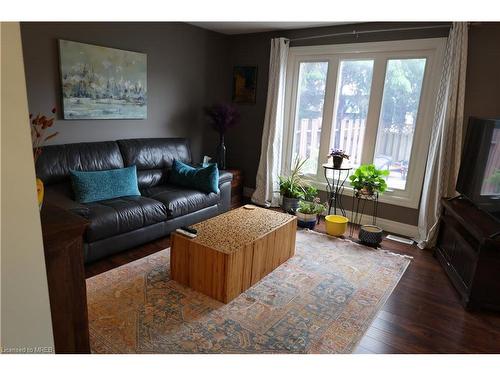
[[244, 84]]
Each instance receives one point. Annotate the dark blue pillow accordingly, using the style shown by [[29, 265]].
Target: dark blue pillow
[[100, 185], [205, 179]]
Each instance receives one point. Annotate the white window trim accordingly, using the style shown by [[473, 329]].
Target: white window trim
[[431, 49]]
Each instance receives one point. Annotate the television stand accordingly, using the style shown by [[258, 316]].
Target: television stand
[[468, 248]]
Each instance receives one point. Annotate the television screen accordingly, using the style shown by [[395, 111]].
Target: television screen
[[479, 176], [491, 177]]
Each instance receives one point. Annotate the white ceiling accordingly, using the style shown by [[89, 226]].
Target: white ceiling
[[257, 27]]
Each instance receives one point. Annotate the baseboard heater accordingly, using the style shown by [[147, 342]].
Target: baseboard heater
[[404, 240]]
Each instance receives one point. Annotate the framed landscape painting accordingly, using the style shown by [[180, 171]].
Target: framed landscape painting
[[102, 83], [244, 84]]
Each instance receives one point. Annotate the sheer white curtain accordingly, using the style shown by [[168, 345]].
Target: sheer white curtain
[[270, 155], [443, 160]]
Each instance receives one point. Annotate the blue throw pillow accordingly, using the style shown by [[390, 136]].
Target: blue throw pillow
[[204, 179], [100, 185]]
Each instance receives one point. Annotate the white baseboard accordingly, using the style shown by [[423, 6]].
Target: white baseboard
[[396, 227]]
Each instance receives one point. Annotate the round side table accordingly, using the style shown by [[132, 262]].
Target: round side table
[[335, 188]]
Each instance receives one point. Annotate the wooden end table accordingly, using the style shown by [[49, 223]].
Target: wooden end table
[[63, 247], [233, 251], [236, 187]]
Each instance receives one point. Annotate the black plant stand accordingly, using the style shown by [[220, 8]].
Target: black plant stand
[[335, 189], [358, 209]]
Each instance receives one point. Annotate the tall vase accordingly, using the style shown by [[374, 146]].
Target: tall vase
[[221, 153]]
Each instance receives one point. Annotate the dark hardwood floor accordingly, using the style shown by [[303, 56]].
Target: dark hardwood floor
[[423, 314]]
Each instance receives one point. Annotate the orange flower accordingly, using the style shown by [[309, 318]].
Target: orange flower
[[38, 132]]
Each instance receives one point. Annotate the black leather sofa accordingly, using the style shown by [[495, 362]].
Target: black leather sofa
[[122, 223]]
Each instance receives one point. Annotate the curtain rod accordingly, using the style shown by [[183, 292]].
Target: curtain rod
[[357, 33]]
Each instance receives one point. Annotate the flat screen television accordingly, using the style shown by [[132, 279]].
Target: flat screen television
[[479, 176]]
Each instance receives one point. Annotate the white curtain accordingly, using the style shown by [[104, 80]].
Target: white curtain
[[266, 190], [443, 160]]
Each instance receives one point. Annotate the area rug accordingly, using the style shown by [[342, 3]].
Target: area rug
[[320, 301]]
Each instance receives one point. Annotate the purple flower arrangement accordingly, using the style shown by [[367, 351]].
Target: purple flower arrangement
[[222, 117], [338, 156], [335, 152]]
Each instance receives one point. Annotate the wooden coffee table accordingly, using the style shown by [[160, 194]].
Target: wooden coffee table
[[232, 251]]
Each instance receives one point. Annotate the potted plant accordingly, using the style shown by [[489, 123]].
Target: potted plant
[[338, 157], [307, 213], [368, 180], [292, 187], [310, 193], [222, 117]]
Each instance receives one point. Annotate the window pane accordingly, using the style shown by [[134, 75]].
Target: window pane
[[352, 99], [402, 87], [309, 115]]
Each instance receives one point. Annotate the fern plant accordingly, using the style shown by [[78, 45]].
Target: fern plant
[[293, 186]]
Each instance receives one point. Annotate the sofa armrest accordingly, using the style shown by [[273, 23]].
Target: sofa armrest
[[58, 197], [225, 176], [225, 179]]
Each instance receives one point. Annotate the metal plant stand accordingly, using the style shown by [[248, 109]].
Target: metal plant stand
[[335, 188], [358, 209]]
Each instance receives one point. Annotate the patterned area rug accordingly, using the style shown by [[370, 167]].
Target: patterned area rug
[[320, 301]]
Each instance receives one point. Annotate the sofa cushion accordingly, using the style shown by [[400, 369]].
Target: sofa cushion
[[101, 185], [55, 162], [120, 215], [181, 201], [153, 157], [205, 179]]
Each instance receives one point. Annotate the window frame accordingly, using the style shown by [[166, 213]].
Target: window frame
[[380, 52]]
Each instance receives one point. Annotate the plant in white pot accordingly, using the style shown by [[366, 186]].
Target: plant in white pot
[[307, 213]]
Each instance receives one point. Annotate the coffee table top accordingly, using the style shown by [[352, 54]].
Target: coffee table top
[[232, 230]]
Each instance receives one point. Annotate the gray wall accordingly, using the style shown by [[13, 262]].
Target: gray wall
[[483, 74], [244, 142], [187, 69]]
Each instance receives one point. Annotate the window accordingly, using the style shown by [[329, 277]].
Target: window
[[351, 107], [375, 101], [309, 113], [401, 98]]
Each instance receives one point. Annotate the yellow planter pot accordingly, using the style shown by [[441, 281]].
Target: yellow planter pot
[[336, 225], [40, 192]]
